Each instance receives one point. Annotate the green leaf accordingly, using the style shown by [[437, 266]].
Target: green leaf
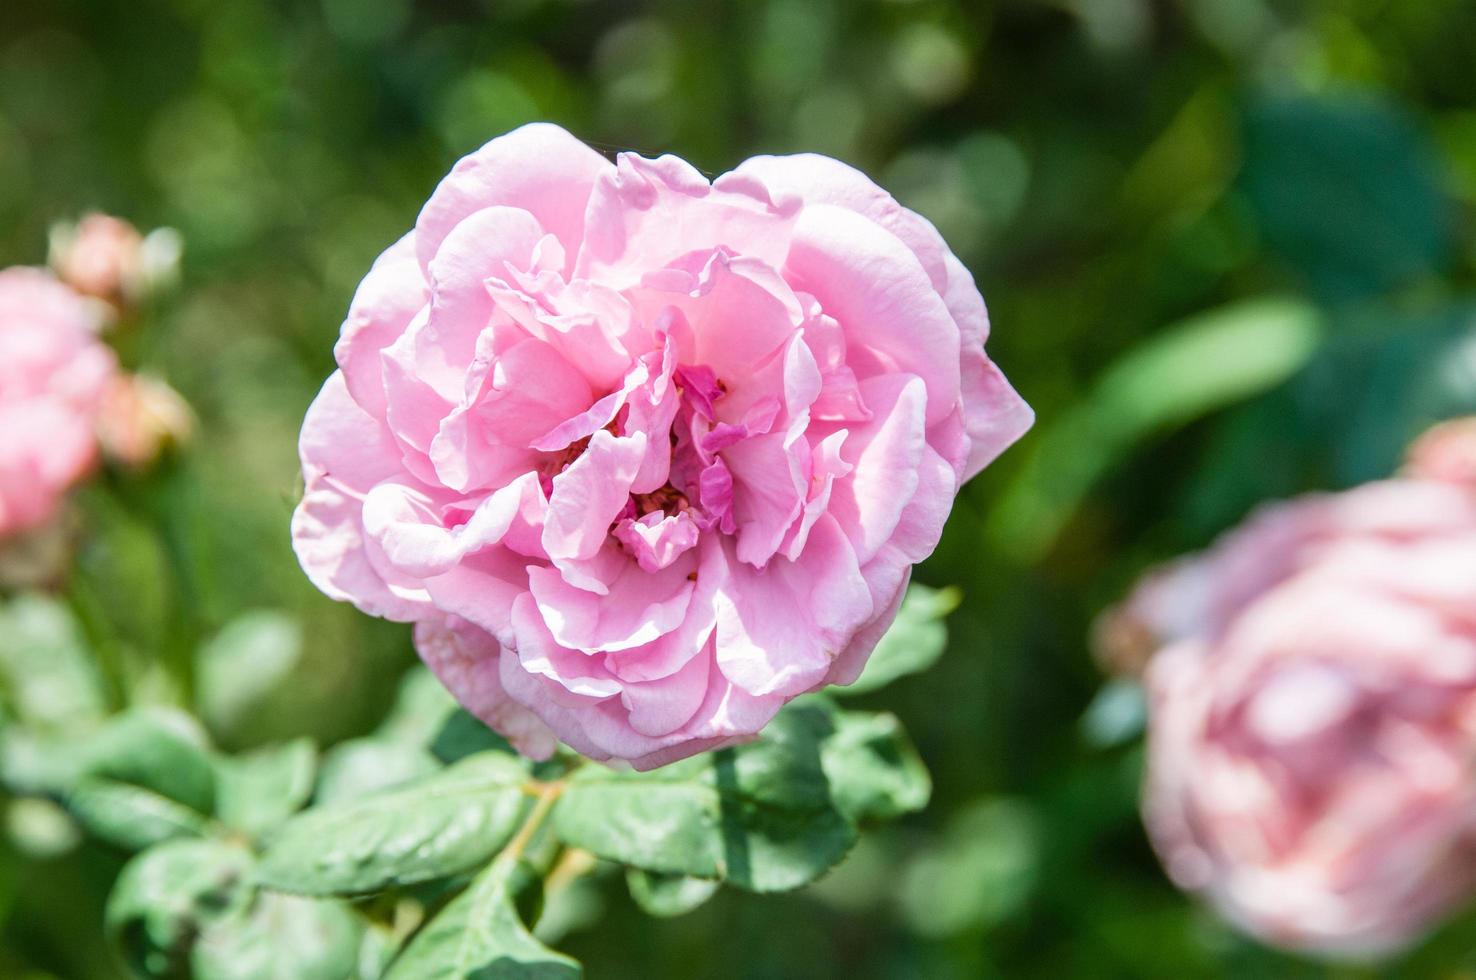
[[479, 934], [129, 816], [243, 664], [158, 749], [421, 708], [46, 673], [1348, 190], [362, 766], [432, 827], [40, 764], [912, 644], [1187, 371], [258, 790], [462, 734], [873, 769], [759, 816], [667, 896], [979, 873], [164, 897], [280, 937]]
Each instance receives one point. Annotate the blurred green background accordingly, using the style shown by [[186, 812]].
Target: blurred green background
[[1228, 254]]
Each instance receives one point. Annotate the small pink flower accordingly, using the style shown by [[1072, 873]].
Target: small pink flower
[[53, 373], [1313, 717], [659, 451]]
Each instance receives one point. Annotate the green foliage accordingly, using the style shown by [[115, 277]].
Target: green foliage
[[129, 816], [479, 934], [1205, 363], [362, 766], [166, 895], [768, 816], [1348, 190], [666, 895], [243, 664], [912, 644], [280, 936], [429, 828], [48, 678], [257, 790]]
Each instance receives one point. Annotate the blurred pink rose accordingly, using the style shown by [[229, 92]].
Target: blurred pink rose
[[53, 373], [1202, 594], [1313, 717], [659, 451]]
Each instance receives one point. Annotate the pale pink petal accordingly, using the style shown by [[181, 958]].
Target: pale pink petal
[[466, 659], [877, 291], [538, 167], [779, 629]]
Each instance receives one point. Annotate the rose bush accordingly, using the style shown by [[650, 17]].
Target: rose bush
[[642, 454], [1313, 717], [53, 375]]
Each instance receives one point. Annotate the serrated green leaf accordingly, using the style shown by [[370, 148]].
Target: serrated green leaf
[[257, 790], [667, 896], [280, 937], [432, 827], [362, 766], [759, 816], [873, 769], [164, 897], [479, 934], [158, 749], [912, 644], [130, 816], [243, 664], [1188, 370], [46, 673]]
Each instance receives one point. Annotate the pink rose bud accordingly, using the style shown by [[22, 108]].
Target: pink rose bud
[[659, 452], [107, 258], [1313, 718], [1445, 452], [141, 417], [53, 374]]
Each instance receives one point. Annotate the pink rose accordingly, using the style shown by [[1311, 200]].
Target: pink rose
[[1313, 718], [644, 454], [1202, 594], [53, 373]]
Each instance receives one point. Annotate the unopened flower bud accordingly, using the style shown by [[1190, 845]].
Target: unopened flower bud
[[141, 418], [1446, 452], [107, 258]]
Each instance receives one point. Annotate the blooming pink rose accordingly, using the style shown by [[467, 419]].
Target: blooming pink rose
[[1313, 717], [53, 373], [644, 454]]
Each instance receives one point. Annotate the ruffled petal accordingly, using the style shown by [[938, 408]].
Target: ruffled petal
[[538, 167]]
